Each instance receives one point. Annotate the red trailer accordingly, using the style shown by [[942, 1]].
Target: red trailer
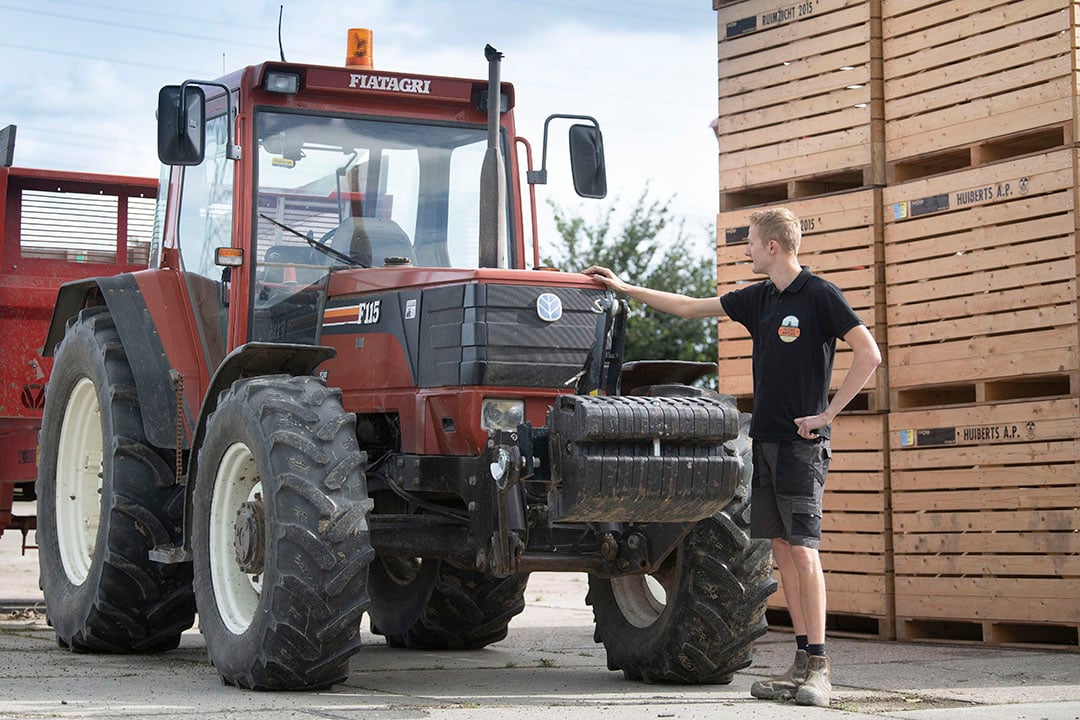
[[56, 227]]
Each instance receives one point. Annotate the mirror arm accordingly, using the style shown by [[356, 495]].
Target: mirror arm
[[232, 150], [539, 177]]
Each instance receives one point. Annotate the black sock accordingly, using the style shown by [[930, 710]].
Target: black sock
[[800, 642], [814, 649]]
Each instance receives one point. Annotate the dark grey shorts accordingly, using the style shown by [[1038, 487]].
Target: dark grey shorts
[[785, 499]]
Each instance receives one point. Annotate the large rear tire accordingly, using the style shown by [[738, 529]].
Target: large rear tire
[[105, 499], [432, 605], [695, 619], [280, 535]]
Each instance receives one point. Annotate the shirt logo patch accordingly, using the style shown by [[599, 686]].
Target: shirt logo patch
[[789, 329]]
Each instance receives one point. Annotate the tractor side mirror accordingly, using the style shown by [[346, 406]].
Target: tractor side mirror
[[181, 125], [587, 161]]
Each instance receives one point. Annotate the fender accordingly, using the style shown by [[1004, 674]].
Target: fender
[[639, 375], [139, 336]]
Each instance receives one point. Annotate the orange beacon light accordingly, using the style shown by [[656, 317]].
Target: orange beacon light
[[359, 49]]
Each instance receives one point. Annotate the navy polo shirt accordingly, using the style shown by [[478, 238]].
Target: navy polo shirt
[[794, 342]]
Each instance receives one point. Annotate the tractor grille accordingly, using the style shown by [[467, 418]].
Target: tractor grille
[[480, 334]]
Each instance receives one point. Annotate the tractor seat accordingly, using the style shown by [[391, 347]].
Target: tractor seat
[[371, 240]]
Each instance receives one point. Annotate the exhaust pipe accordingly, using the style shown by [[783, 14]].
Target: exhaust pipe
[[493, 174]]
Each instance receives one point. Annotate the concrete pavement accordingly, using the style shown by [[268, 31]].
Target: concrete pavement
[[547, 668]]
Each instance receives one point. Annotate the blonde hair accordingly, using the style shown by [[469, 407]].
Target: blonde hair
[[779, 224]]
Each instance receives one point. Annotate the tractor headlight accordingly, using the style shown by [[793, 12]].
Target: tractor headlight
[[501, 414]]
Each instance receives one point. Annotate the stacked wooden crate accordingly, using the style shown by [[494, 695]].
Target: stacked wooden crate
[[800, 125], [800, 92], [980, 267], [985, 516], [943, 202], [967, 83], [841, 241]]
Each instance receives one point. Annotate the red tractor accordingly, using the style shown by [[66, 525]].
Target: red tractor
[[339, 390], [55, 227]]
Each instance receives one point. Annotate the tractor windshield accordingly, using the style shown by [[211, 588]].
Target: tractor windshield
[[375, 192]]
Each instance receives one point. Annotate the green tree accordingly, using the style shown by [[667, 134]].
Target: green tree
[[651, 248]]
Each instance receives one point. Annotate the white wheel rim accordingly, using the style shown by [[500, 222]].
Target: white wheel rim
[[236, 592], [641, 599], [79, 473]]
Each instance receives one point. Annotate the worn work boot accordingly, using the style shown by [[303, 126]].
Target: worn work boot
[[784, 686], [817, 690]]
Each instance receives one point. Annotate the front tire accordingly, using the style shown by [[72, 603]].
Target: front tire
[[280, 535], [105, 499], [696, 618], [433, 605]]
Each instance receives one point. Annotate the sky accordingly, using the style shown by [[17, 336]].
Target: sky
[[81, 78]]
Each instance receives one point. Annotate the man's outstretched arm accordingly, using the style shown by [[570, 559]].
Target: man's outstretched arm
[[672, 303]]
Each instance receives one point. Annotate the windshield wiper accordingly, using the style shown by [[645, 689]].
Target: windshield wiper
[[322, 247]]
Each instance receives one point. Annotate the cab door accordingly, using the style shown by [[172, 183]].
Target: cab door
[[205, 223]]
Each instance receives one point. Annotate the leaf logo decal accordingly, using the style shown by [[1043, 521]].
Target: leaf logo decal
[[549, 307]]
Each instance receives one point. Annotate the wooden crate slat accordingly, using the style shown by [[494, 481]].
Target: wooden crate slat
[[1044, 543], [1010, 459], [860, 432], [1003, 476], [1011, 113], [1046, 217], [1021, 520], [989, 257], [981, 29], [821, 33], [990, 588], [848, 482], [770, 83], [985, 415], [837, 521], [899, 316], [979, 21], [905, 16], [818, 154], [970, 605], [857, 563], [977, 283], [830, 114], [906, 76], [795, 115], [984, 359], [847, 459], [992, 564], [1017, 321], [872, 543], [855, 502], [1035, 70], [830, 214], [987, 499]]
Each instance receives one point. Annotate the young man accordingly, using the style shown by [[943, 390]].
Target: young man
[[794, 318]]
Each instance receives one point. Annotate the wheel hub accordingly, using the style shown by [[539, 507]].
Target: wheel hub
[[249, 536]]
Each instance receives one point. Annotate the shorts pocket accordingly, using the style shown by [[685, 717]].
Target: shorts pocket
[[806, 518]]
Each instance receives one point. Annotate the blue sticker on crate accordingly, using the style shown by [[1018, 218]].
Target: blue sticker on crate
[[736, 28], [922, 206], [737, 234]]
